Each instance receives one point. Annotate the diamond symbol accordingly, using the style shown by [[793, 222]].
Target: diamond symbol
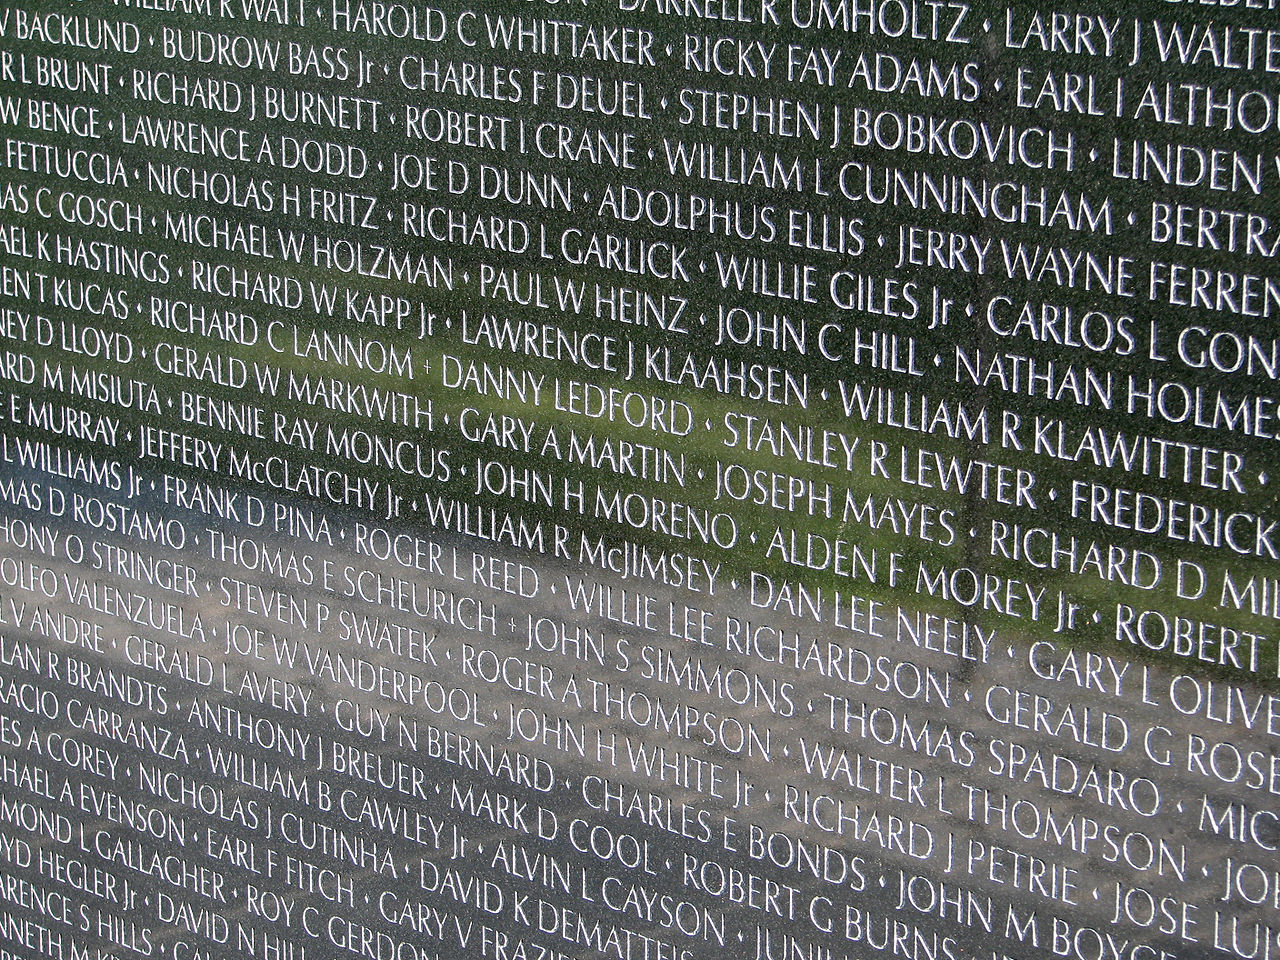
[[1053, 494], [880, 239], [999, 85], [1262, 478], [986, 24], [1093, 154], [1132, 218], [937, 360]]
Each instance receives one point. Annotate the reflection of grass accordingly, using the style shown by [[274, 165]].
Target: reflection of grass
[[702, 449]]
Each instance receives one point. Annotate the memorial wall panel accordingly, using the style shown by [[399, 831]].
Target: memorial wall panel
[[639, 480]]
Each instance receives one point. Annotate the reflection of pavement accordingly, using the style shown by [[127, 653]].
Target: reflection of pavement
[[420, 763]]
